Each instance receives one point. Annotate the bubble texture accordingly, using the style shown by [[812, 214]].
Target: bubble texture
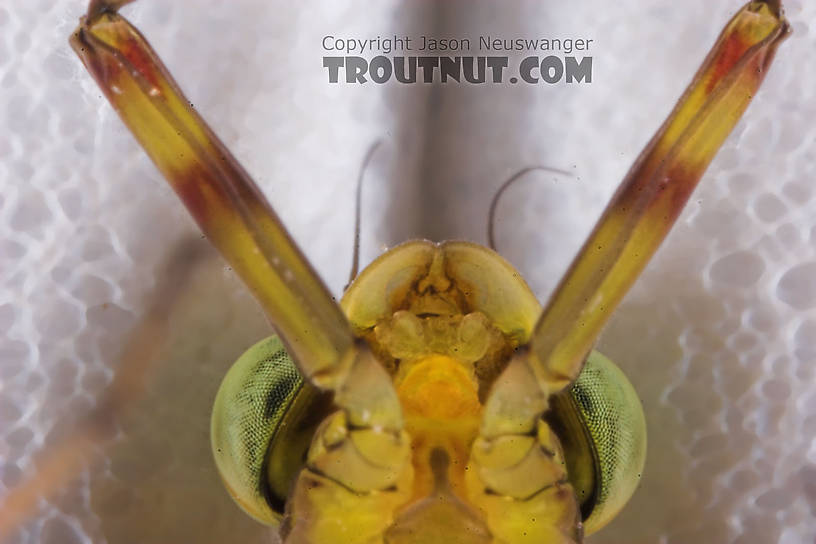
[[718, 336]]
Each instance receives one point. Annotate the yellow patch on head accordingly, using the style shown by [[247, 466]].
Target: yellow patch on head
[[439, 387]]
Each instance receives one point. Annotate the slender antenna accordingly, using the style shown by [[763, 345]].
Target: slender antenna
[[491, 216], [355, 258]]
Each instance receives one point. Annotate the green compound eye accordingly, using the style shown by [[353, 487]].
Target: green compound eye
[[263, 420], [600, 422]]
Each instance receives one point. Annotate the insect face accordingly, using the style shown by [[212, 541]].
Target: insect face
[[636, 314]]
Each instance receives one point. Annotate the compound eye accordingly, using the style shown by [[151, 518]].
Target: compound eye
[[262, 423], [600, 422]]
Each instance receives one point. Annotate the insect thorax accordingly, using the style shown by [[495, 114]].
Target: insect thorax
[[444, 321]]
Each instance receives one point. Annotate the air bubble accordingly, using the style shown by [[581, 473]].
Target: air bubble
[[93, 290], [11, 250], [32, 212], [71, 202], [97, 244], [776, 390], [59, 320], [788, 234], [805, 334], [775, 499], [762, 319], [10, 474], [9, 413], [742, 183], [13, 354], [109, 317], [797, 287], [798, 193], [744, 480], [769, 208], [741, 269]]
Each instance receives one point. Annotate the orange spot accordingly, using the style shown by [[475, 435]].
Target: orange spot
[[733, 48], [194, 185], [439, 387], [134, 48]]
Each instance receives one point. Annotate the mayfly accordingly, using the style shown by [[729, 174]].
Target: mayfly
[[438, 401]]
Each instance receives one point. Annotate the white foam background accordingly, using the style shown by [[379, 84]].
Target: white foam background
[[718, 336]]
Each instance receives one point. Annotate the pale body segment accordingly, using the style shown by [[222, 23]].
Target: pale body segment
[[441, 364]]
